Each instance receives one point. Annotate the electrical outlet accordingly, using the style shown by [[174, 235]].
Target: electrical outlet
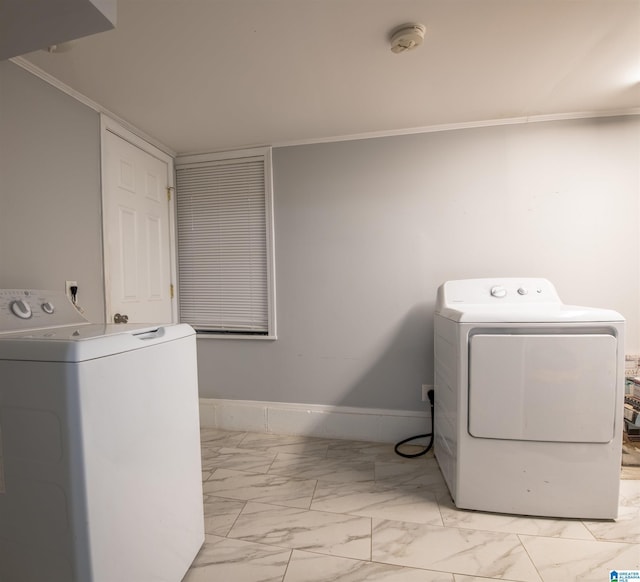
[[68, 285], [425, 391]]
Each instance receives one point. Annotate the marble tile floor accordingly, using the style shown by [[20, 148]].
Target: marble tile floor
[[300, 509]]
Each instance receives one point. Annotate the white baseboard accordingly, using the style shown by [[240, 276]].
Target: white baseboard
[[339, 422]]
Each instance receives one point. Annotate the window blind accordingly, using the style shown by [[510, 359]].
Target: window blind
[[223, 245]]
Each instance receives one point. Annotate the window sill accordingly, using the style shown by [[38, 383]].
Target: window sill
[[222, 336]]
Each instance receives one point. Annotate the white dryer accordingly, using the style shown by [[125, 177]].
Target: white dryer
[[528, 399], [100, 476]]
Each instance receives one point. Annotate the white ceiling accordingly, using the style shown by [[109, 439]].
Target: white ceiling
[[206, 75]]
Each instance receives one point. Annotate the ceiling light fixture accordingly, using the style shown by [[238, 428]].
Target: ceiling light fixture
[[407, 37]]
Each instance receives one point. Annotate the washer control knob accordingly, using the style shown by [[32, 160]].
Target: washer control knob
[[21, 309], [522, 291], [498, 291], [48, 308]]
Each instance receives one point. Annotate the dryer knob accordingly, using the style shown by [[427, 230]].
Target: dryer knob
[[498, 291]]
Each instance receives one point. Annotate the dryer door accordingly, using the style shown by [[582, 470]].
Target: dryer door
[[542, 387]]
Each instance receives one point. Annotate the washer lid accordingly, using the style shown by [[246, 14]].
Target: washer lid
[[512, 300], [78, 343]]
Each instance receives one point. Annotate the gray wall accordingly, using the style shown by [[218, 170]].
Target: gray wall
[[50, 207], [367, 230]]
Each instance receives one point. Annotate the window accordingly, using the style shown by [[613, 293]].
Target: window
[[225, 243]]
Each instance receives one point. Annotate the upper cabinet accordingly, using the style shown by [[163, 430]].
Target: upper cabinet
[[29, 25]]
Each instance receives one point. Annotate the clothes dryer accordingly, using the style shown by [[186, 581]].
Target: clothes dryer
[[528, 399]]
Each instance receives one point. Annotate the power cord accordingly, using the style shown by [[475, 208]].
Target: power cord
[[73, 290], [431, 395]]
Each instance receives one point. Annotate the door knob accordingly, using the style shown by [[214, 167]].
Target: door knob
[[117, 318]]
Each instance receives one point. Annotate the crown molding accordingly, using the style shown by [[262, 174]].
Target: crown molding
[[463, 125], [54, 82], [38, 72]]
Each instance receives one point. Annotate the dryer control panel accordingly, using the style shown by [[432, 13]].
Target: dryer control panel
[[27, 309], [511, 300], [492, 291]]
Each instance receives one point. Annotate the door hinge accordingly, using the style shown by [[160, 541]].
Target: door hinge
[[171, 291], [169, 190]]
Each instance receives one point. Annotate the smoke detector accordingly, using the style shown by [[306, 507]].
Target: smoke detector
[[407, 37]]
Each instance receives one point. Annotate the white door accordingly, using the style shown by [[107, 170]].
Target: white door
[[137, 233]]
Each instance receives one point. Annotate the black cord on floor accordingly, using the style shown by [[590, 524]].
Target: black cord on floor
[[430, 394]]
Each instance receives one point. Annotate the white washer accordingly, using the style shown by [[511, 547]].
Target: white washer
[[528, 399], [100, 475]]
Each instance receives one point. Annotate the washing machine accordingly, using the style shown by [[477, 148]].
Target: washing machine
[[528, 399], [100, 475]]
